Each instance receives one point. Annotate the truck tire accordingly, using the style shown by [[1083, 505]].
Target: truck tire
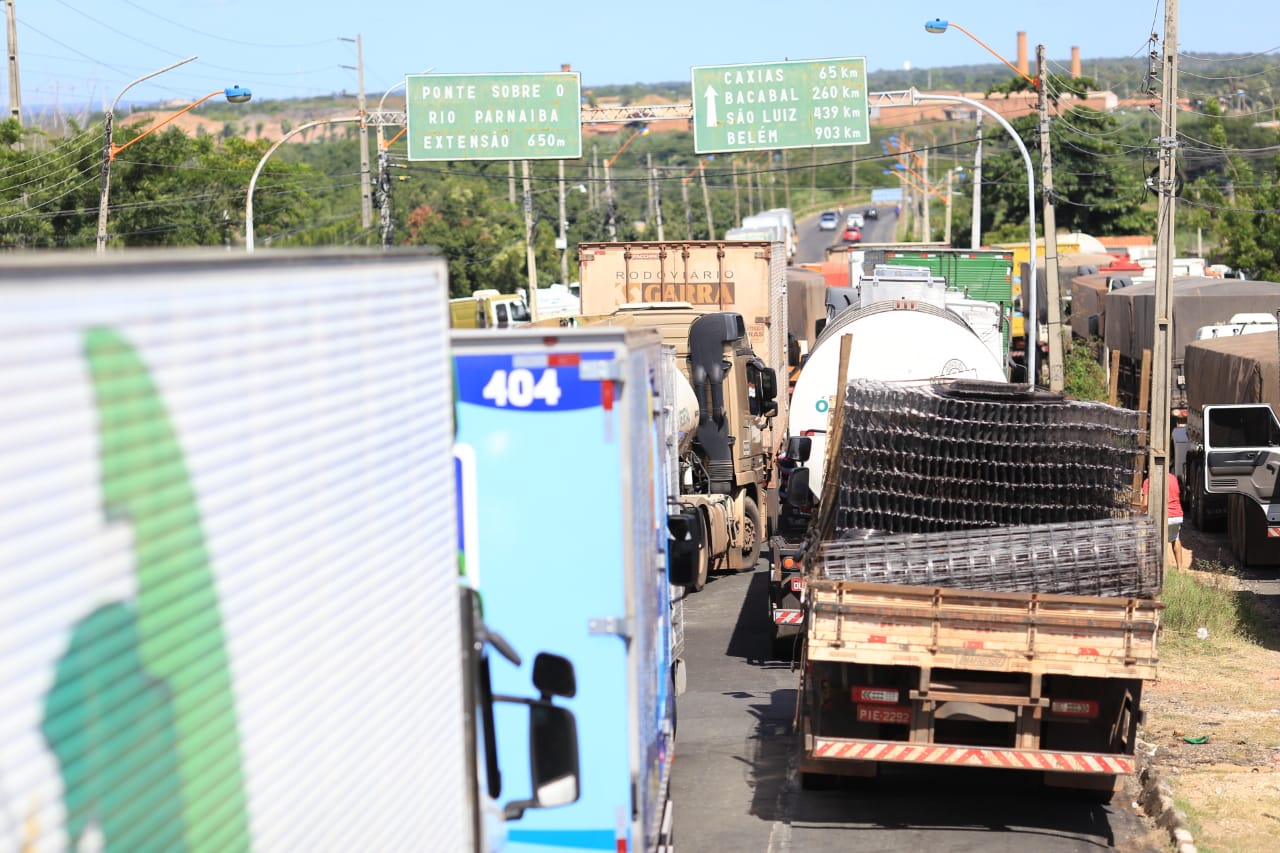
[[704, 559], [753, 532]]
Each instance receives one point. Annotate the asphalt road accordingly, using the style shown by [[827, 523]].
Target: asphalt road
[[735, 787], [813, 242]]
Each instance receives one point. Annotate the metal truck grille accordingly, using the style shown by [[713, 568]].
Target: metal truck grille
[[953, 456], [1106, 557]]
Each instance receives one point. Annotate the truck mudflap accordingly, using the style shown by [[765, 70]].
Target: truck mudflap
[[826, 754]]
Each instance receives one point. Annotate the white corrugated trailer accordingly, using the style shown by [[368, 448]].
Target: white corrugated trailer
[[229, 557]]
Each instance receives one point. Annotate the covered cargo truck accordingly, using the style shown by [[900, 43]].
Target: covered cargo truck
[[228, 563], [565, 439], [977, 590], [1196, 302]]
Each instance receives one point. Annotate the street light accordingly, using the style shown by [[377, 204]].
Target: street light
[[234, 94], [1028, 292], [1030, 318], [253, 181], [938, 25]]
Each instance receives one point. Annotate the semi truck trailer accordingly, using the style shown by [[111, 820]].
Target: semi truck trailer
[[564, 438]]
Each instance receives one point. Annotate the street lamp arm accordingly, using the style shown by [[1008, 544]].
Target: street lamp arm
[[1029, 288], [116, 102], [1032, 80], [253, 181], [116, 149]]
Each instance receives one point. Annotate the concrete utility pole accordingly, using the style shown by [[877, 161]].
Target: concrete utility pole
[[786, 179], [706, 200], [950, 191], [975, 240], [1161, 355], [648, 186], [1052, 287], [564, 232], [511, 181], [366, 189], [688, 211], [595, 172], [611, 209], [15, 86], [530, 260], [737, 194], [657, 204]]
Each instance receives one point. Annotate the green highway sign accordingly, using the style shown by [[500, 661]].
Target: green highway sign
[[766, 105], [494, 116]]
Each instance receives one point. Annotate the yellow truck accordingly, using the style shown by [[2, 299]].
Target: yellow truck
[[489, 309]]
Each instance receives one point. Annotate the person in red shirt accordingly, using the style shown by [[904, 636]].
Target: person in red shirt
[[1175, 518]]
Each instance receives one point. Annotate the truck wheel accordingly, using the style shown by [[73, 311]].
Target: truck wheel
[[704, 559], [753, 534]]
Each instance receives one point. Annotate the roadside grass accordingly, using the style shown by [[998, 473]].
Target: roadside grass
[[1206, 599]]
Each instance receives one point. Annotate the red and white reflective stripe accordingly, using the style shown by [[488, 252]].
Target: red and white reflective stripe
[[788, 617], [966, 756], [1273, 532], [555, 359]]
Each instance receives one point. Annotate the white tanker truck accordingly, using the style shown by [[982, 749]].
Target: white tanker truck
[[904, 326]]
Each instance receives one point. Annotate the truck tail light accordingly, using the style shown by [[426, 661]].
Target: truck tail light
[[788, 563], [882, 695], [1086, 708]]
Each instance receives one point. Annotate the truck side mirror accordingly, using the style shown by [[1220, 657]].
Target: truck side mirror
[[769, 384], [553, 760], [684, 543], [798, 488], [553, 676], [553, 739], [799, 447]]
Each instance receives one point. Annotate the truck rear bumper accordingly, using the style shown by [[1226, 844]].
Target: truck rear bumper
[[831, 755]]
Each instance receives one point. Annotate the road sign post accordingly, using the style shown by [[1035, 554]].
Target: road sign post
[[771, 105], [494, 116]]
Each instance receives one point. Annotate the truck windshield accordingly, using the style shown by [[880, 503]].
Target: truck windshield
[[519, 312]]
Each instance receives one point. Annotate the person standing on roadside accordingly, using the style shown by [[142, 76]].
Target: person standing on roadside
[[1175, 518]]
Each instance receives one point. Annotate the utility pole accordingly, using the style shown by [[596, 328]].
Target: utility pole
[[706, 200], [564, 232], [611, 210], [853, 172], [1161, 361], [688, 211], [926, 226], [383, 198], [1053, 301], [511, 181], [657, 205], [648, 160], [751, 196], [975, 240], [737, 194], [786, 178], [366, 191], [15, 86], [595, 171], [950, 189], [528, 242]]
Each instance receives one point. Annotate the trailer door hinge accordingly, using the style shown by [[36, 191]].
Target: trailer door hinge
[[610, 625]]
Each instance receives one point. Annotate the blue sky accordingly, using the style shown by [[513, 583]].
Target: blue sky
[[83, 52]]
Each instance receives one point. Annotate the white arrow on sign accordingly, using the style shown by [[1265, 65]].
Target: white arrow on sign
[[710, 95]]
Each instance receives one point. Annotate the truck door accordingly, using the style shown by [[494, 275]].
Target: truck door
[[1242, 454]]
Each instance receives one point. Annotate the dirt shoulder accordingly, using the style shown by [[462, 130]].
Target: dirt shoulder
[[1212, 727]]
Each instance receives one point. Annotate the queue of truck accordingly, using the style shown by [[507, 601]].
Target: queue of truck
[[231, 499]]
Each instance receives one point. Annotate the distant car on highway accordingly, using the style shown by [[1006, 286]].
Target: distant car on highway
[[851, 235], [853, 220], [828, 221], [872, 213]]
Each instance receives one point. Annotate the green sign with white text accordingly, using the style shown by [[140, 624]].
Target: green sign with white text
[[494, 116], [768, 105]]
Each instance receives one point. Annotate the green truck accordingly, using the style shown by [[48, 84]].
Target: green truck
[[983, 274]]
